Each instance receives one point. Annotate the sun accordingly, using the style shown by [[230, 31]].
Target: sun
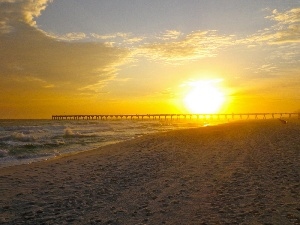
[[204, 97]]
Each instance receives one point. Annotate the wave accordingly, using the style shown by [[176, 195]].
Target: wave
[[22, 137], [69, 133], [3, 153], [22, 141], [54, 143]]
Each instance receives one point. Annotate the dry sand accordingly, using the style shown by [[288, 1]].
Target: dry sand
[[239, 173]]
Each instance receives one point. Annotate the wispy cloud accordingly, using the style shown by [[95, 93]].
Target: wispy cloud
[[120, 39], [111, 36], [285, 31], [279, 43], [196, 45], [170, 35], [73, 36], [288, 17], [266, 68], [4, 27], [168, 92]]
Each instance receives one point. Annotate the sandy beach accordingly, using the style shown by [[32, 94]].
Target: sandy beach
[[237, 173]]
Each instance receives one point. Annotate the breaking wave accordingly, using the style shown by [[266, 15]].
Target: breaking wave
[[22, 137], [22, 141], [69, 133], [3, 153]]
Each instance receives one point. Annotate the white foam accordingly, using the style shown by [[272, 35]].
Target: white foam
[[25, 140], [22, 137], [68, 132], [3, 153]]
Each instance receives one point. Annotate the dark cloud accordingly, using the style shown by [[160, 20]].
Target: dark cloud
[[27, 52]]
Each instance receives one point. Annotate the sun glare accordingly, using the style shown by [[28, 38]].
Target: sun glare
[[205, 97]]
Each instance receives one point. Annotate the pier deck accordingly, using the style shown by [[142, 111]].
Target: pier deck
[[176, 116]]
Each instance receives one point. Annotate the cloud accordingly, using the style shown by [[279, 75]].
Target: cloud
[[22, 10], [122, 39], [285, 31], [110, 36], [73, 36], [4, 27], [170, 35], [196, 45], [288, 17], [133, 40], [277, 45], [28, 52], [167, 93], [266, 68]]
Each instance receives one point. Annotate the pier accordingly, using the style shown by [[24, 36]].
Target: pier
[[231, 116]]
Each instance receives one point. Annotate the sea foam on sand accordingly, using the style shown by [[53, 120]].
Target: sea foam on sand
[[237, 173]]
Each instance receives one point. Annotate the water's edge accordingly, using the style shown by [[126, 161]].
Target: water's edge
[[27, 141]]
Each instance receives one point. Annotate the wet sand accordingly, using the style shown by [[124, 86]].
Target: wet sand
[[238, 173]]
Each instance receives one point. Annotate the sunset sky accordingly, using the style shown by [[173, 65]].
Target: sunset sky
[[142, 56]]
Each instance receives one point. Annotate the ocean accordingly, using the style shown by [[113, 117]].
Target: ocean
[[26, 141]]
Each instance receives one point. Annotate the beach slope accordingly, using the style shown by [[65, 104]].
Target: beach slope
[[237, 173]]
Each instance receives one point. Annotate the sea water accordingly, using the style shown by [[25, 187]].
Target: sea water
[[26, 141]]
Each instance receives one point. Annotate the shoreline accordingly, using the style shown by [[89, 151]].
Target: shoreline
[[8, 161], [234, 173], [33, 140], [46, 158], [38, 159]]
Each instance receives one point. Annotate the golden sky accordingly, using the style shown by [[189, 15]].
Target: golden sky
[[119, 57]]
